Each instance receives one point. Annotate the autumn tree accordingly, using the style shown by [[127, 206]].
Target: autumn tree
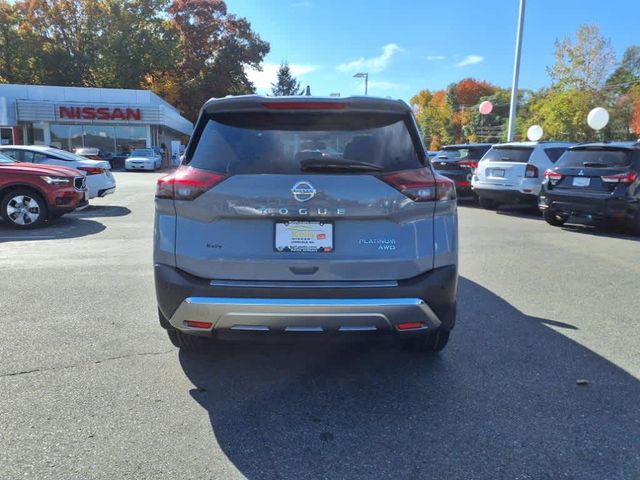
[[215, 47], [286, 83], [469, 91], [583, 64], [184, 50]]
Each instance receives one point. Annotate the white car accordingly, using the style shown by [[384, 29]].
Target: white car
[[514, 172], [143, 159], [100, 180]]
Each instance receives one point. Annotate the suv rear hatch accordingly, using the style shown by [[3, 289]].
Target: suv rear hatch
[[593, 171], [504, 165], [289, 185]]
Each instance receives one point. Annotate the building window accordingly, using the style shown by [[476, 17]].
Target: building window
[[66, 137], [111, 140], [102, 137], [129, 138]]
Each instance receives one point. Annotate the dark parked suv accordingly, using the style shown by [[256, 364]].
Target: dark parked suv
[[458, 162], [594, 182], [305, 216]]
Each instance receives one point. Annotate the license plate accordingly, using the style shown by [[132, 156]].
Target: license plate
[[304, 237], [581, 181], [498, 172]]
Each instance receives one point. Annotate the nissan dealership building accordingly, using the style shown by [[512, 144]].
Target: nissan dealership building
[[113, 120]]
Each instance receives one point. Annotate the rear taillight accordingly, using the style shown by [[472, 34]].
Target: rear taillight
[[92, 170], [421, 185], [531, 171], [628, 177], [552, 177], [472, 164], [187, 183]]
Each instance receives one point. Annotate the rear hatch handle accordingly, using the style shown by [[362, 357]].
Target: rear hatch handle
[[303, 270]]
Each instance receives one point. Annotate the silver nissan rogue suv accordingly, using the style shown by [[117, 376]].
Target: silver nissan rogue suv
[[306, 216]]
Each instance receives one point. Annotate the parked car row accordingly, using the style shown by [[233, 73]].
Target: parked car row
[[40, 183], [138, 159], [590, 183], [31, 194]]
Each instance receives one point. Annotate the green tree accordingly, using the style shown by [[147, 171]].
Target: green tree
[[583, 64], [135, 42], [11, 52], [627, 75], [185, 50], [562, 114], [286, 83]]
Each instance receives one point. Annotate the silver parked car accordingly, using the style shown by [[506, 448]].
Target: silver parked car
[[306, 215]]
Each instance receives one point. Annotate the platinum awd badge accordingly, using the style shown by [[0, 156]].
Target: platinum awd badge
[[303, 191]]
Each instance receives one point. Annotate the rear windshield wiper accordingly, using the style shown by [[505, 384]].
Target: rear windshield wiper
[[324, 164], [595, 164]]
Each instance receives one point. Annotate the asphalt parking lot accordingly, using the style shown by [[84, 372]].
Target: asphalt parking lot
[[90, 386]]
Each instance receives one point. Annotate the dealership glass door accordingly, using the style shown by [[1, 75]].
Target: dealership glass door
[[6, 136]]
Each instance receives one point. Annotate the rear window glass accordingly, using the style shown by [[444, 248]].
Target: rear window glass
[[595, 158], [553, 154], [238, 143], [142, 152], [460, 153], [509, 154]]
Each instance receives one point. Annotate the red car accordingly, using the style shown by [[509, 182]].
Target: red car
[[31, 194]]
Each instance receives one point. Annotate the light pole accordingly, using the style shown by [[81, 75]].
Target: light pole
[[516, 72], [366, 81]]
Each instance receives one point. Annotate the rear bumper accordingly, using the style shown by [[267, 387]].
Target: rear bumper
[[506, 196], [140, 166], [462, 180], [429, 299], [610, 208], [106, 191]]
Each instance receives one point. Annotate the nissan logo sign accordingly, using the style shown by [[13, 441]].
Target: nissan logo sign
[[303, 191]]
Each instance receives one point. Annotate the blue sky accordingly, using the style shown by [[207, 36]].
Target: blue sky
[[408, 45]]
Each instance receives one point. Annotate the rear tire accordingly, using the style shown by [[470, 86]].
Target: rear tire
[[634, 228], [433, 342], [554, 219], [189, 343], [487, 204], [23, 208]]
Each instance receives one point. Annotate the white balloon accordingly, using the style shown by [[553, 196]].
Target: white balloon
[[534, 133], [598, 118]]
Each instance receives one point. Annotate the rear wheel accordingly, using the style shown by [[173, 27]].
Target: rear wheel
[[23, 208], [487, 203], [434, 342], [188, 343], [634, 228], [554, 219]]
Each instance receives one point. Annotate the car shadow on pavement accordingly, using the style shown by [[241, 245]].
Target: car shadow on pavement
[[509, 398], [98, 211], [523, 211], [62, 228], [599, 231]]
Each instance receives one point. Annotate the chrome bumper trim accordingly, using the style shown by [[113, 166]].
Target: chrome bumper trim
[[302, 315], [283, 284]]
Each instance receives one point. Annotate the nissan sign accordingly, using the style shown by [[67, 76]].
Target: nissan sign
[[99, 113]]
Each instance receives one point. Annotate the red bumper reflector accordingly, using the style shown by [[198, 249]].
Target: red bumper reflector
[[410, 325], [462, 183], [194, 324]]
